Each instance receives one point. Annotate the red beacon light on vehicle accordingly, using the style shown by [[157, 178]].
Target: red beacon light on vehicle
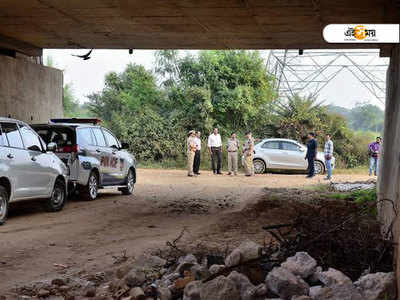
[[93, 121]]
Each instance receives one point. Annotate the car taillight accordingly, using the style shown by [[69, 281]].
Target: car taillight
[[69, 149]]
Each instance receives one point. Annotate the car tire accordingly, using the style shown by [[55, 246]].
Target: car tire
[[89, 192], [259, 166], [130, 184], [319, 167], [58, 196], [3, 205]]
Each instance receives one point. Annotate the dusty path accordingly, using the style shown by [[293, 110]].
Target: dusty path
[[89, 235]]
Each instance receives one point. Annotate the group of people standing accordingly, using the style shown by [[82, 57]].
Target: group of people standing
[[374, 152], [214, 145]]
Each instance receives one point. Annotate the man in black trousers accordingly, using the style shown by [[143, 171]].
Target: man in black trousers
[[311, 155], [196, 164], [215, 150]]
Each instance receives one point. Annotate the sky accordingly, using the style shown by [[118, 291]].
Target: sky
[[87, 76]]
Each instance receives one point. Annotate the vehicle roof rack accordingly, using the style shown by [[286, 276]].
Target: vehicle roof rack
[[93, 121]]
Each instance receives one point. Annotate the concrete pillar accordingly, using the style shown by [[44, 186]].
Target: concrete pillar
[[29, 91], [389, 173]]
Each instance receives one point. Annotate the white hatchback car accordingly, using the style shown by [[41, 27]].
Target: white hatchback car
[[28, 169], [285, 154]]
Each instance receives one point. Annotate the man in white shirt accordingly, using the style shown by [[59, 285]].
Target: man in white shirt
[[196, 164], [215, 149]]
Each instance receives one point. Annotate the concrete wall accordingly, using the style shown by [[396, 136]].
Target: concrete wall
[[30, 92]]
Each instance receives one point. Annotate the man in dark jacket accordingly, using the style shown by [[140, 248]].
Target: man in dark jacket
[[311, 155]]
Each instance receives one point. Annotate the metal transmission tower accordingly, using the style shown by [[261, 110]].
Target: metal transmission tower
[[308, 72]]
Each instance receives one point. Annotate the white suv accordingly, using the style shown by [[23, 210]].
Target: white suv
[[27, 169]]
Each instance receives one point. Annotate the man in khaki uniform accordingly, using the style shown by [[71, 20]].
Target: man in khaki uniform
[[248, 152], [233, 148], [191, 151]]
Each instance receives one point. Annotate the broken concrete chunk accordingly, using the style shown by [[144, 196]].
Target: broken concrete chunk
[[285, 284], [335, 292], [333, 277], [135, 278], [220, 288], [243, 284], [377, 286], [301, 264], [192, 291], [216, 268], [233, 259]]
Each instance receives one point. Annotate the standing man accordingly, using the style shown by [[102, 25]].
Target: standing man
[[233, 148], [191, 149], [215, 149], [311, 155], [328, 153], [196, 164], [374, 150], [248, 152]]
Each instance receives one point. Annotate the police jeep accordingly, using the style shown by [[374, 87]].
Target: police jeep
[[94, 156]]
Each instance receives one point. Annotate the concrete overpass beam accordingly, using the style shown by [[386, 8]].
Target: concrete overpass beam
[[29, 91]]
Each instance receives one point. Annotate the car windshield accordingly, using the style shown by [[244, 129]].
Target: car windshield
[[62, 136]]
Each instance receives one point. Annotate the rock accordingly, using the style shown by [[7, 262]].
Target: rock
[[314, 278], [90, 292], [164, 293], [247, 250], [58, 281], [192, 291], [301, 298], [122, 271], [233, 259], [260, 290], [137, 294], [64, 288], [190, 258], [216, 268], [301, 264], [243, 284], [284, 283], [221, 288], [377, 286], [333, 277], [335, 292], [135, 278], [199, 272], [43, 293]]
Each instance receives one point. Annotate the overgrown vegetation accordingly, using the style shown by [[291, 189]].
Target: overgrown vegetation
[[231, 90]]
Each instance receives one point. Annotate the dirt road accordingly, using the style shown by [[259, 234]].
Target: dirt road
[[90, 235]]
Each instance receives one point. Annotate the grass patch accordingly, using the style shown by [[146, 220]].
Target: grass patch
[[361, 170]]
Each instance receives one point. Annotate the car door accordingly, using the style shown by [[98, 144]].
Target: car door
[[292, 156], [16, 160], [41, 173], [101, 153], [272, 153], [117, 165]]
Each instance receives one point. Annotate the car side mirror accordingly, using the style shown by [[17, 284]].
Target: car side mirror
[[52, 147], [124, 146], [302, 150]]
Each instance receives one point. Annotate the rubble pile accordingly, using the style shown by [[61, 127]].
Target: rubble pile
[[151, 277]]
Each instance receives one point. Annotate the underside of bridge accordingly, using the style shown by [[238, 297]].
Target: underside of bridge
[[31, 25], [28, 26]]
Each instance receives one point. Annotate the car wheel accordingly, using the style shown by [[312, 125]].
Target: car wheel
[[259, 166], [89, 192], [319, 167], [130, 184], [57, 199], [3, 205]]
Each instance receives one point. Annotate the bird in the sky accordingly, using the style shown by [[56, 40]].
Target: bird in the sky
[[85, 56]]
